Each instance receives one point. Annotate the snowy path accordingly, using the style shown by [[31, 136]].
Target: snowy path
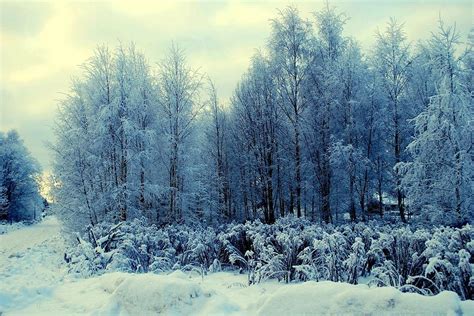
[[33, 281], [31, 263], [29, 236]]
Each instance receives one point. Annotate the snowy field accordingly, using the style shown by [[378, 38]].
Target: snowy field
[[34, 280]]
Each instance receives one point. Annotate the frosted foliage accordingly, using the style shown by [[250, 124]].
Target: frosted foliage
[[439, 179], [20, 198], [419, 260]]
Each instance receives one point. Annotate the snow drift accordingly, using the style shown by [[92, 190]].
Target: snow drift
[[149, 293], [225, 293], [341, 298]]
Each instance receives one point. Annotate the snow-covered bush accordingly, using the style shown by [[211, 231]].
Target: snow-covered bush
[[355, 263], [412, 259], [143, 248], [198, 248]]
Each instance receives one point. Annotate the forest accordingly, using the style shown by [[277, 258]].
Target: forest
[[316, 128], [329, 162]]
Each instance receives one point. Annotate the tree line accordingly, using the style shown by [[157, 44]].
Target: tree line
[[316, 127], [20, 197]]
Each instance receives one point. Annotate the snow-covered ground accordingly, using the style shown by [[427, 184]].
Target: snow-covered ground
[[31, 264], [5, 227], [34, 280]]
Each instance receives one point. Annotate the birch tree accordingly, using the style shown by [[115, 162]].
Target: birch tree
[[392, 59], [259, 118], [439, 179], [217, 135], [290, 48], [180, 101], [325, 92]]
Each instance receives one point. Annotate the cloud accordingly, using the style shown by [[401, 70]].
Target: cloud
[[43, 43], [249, 15], [12, 17]]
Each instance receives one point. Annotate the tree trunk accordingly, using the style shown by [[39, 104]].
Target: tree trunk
[[298, 171], [400, 202], [352, 208]]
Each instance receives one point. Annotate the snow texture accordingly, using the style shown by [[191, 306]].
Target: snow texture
[[33, 281]]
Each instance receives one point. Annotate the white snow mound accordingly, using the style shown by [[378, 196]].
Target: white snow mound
[[155, 294], [341, 298]]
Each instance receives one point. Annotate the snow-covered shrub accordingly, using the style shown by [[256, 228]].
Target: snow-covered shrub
[[279, 254], [333, 250], [128, 246], [200, 249], [143, 248], [235, 244], [355, 263], [272, 251], [95, 251], [397, 250], [412, 259], [84, 260], [387, 274], [449, 265], [466, 279]]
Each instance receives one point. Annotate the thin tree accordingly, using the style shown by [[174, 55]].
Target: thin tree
[[179, 97]]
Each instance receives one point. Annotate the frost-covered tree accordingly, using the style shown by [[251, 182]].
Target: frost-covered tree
[[392, 59], [377, 149], [19, 175], [106, 145], [290, 50], [420, 85], [439, 179], [179, 88], [258, 119], [325, 92], [314, 128], [215, 161]]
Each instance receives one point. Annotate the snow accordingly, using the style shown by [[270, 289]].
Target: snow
[[337, 298], [31, 263], [6, 227], [34, 281]]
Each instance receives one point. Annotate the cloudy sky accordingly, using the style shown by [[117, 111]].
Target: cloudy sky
[[43, 43]]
